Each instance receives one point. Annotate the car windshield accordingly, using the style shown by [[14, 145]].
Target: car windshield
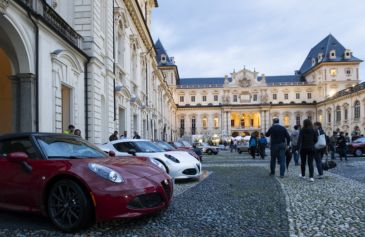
[[178, 144], [147, 146], [68, 147], [186, 144], [360, 140], [165, 146]]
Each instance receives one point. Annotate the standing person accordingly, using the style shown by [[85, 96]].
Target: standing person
[[262, 145], [280, 139], [231, 144], [124, 136], [294, 144], [136, 136], [342, 146], [114, 136], [77, 132], [71, 129], [318, 153], [307, 139], [332, 145], [253, 145]]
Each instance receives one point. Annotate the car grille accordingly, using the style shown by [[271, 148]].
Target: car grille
[[167, 188], [190, 172], [149, 200]]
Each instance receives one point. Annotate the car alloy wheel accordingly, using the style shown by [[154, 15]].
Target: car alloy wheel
[[358, 152], [68, 207]]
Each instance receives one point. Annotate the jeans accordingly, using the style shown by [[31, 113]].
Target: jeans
[[318, 155], [262, 151], [333, 151], [277, 153], [307, 155], [253, 152], [296, 155]]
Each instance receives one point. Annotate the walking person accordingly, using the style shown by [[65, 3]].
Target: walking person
[[318, 153], [307, 139], [280, 140], [332, 145], [114, 136], [342, 146], [231, 145], [253, 145], [262, 145], [294, 144], [124, 136]]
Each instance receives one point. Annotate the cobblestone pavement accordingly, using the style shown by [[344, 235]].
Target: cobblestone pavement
[[238, 198], [354, 168]]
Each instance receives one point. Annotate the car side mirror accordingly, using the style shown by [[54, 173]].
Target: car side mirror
[[111, 153], [132, 152], [17, 157]]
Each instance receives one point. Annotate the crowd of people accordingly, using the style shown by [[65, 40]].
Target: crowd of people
[[72, 131], [115, 136], [307, 144]]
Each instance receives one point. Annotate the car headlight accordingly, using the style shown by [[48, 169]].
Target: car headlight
[[170, 157], [106, 173], [158, 164]]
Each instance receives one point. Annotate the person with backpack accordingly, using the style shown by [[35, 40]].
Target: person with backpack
[[319, 150], [253, 145], [294, 144], [262, 145]]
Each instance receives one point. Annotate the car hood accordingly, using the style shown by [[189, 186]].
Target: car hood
[[183, 157], [130, 167]]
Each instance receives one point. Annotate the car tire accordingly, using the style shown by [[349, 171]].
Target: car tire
[[358, 152], [69, 208], [209, 152]]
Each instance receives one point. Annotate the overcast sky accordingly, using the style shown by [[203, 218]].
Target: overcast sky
[[213, 37]]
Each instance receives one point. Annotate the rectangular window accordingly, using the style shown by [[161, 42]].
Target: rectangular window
[[65, 106], [286, 96], [309, 95], [232, 122], [205, 122], [274, 96], [235, 98], [181, 98], [182, 123], [193, 126], [193, 98], [346, 114], [333, 72], [255, 97], [329, 119], [204, 98], [215, 97], [216, 122], [297, 96], [348, 72], [297, 118]]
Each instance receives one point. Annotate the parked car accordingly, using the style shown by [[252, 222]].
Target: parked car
[[357, 147], [207, 149], [75, 183], [179, 165], [167, 147], [243, 147]]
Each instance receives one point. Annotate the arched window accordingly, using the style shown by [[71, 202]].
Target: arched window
[[357, 109], [205, 122], [338, 113], [286, 121]]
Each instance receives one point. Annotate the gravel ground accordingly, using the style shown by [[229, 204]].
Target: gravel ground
[[333, 206]]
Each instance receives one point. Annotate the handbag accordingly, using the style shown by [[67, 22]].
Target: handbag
[[321, 143], [327, 165]]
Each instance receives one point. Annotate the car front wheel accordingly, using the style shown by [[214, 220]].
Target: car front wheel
[[68, 206], [358, 152]]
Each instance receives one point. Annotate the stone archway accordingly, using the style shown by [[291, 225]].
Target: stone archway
[[17, 83]]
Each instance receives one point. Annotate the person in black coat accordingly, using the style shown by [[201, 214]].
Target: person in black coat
[[307, 139]]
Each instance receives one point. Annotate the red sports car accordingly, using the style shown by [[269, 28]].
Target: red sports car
[[74, 183]]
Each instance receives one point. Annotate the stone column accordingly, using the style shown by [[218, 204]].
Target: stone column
[[24, 105]]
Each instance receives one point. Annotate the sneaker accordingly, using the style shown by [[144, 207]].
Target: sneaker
[[301, 176], [282, 176], [311, 180], [320, 176], [271, 174]]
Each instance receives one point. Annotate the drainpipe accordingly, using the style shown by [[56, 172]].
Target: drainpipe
[[36, 70], [114, 91], [86, 98]]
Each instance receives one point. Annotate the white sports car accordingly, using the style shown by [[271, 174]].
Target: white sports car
[[178, 164]]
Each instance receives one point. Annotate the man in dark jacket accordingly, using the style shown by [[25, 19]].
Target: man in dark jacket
[[280, 140]]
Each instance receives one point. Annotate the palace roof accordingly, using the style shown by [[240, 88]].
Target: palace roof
[[160, 52]]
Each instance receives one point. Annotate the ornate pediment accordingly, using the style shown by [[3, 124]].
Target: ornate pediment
[[244, 78]]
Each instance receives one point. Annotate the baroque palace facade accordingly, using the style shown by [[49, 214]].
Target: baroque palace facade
[[85, 62], [94, 64], [326, 88]]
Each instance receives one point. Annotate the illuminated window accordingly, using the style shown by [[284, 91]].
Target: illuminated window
[[216, 122], [205, 122], [320, 118], [333, 72], [286, 121]]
